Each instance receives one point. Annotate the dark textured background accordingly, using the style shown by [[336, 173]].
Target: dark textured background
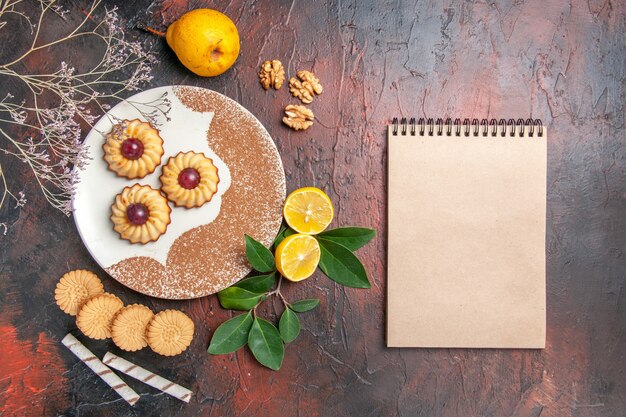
[[561, 61]]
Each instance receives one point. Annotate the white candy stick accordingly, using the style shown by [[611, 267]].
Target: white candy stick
[[100, 369], [150, 378]]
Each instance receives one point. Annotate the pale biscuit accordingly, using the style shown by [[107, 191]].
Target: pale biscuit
[[95, 316], [128, 329], [76, 287], [170, 332]]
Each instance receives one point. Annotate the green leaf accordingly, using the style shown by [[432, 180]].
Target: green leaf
[[237, 298], [282, 235], [266, 344], [340, 265], [259, 256], [258, 284], [289, 326], [231, 335], [304, 305], [352, 238]]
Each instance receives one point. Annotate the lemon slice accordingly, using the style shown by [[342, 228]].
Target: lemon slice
[[308, 210], [297, 257]]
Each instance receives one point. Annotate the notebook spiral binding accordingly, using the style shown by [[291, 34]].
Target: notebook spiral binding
[[468, 128]]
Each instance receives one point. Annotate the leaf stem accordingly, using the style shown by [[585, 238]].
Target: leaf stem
[[153, 31], [277, 292]]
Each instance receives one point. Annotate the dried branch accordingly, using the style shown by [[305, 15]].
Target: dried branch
[[43, 128]]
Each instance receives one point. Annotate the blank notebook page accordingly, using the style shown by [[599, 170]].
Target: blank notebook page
[[466, 248]]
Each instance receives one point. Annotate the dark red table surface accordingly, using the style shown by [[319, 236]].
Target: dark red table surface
[[562, 62]]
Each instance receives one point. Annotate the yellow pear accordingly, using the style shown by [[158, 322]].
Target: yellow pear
[[205, 40]]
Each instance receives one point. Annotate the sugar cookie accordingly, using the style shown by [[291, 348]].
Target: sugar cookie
[[95, 316], [170, 332], [128, 328], [189, 179], [140, 214], [133, 149], [74, 288]]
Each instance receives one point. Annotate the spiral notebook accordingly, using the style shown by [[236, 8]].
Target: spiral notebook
[[467, 224]]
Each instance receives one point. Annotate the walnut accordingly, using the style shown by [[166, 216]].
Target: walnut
[[298, 117], [306, 87], [272, 74]]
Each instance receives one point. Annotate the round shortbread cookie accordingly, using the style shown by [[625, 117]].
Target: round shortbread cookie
[[76, 287], [128, 329], [95, 316], [170, 332]]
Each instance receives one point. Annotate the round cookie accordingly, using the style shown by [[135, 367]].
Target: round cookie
[[170, 332], [76, 287], [140, 214], [133, 149], [189, 179], [128, 329], [95, 316]]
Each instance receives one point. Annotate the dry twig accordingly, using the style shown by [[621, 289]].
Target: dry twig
[[43, 127]]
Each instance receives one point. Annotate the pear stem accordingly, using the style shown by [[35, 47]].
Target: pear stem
[[153, 31]]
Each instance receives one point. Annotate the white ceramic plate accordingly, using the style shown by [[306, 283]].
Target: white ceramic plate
[[188, 125]]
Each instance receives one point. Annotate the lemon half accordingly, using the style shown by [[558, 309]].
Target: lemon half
[[297, 257], [308, 210]]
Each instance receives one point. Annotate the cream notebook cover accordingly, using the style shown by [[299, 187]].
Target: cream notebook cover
[[466, 240]]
